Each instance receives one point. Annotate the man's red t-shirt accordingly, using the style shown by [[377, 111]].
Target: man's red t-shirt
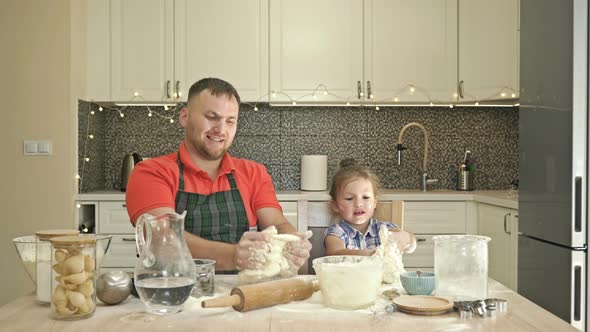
[[154, 183]]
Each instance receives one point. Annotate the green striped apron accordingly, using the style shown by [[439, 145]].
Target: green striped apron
[[220, 216]]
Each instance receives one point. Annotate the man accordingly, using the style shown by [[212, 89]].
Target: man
[[224, 196]]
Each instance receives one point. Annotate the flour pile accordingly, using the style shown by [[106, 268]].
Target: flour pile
[[271, 260]]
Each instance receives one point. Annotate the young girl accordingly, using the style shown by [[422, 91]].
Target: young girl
[[354, 190]]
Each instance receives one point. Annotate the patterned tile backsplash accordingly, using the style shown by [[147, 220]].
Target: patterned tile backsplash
[[277, 136]]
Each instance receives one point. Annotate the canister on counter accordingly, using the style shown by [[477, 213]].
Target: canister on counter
[[465, 173], [314, 172], [43, 261], [465, 178], [73, 276]]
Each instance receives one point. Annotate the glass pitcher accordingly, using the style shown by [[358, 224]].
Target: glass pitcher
[[164, 274], [461, 267]]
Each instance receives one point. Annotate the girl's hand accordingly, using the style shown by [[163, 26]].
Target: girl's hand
[[406, 242]]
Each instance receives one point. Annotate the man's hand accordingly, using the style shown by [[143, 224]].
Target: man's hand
[[297, 252], [406, 242], [249, 242]]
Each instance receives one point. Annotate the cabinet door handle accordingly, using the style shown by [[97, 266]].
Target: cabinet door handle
[[177, 89], [129, 239], [359, 89], [506, 230], [461, 89], [420, 239], [124, 205], [369, 94], [168, 89]]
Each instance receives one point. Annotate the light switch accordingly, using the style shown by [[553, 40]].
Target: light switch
[[44, 147], [37, 148], [30, 147]]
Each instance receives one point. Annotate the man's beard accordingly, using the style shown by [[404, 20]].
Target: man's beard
[[208, 155]]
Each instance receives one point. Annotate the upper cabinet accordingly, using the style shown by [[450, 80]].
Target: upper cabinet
[[358, 51], [313, 51], [488, 49], [410, 50], [158, 48], [227, 39], [316, 50], [142, 49]]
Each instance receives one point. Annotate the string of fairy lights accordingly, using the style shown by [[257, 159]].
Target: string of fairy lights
[[169, 111], [166, 111]]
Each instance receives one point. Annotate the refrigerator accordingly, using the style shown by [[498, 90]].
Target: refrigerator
[[553, 143]]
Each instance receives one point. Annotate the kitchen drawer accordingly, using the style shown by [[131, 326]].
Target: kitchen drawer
[[423, 256], [113, 218], [435, 217], [122, 252]]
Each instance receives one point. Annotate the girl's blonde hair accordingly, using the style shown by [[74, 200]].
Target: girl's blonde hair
[[350, 171]]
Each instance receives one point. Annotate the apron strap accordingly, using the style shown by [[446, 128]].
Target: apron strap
[[181, 174]]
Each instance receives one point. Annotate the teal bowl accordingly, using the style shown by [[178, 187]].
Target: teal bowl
[[414, 285]]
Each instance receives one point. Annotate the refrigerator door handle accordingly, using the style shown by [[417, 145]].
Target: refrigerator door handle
[[578, 304], [578, 205]]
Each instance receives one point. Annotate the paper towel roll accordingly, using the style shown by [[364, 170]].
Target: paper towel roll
[[314, 172]]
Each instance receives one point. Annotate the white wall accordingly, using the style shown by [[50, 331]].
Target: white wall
[[35, 103]]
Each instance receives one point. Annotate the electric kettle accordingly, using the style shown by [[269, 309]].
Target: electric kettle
[[129, 162]]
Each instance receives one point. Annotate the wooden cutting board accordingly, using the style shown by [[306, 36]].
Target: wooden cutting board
[[423, 313], [423, 305]]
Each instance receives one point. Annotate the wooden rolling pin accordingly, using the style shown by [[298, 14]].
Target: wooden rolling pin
[[265, 294]]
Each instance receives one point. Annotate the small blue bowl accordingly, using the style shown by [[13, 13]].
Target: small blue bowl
[[414, 285]]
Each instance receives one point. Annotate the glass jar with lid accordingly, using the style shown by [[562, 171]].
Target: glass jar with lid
[[43, 261], [73, 276], [461, 267]]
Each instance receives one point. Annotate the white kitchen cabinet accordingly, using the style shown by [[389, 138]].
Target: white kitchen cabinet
[[316, 42], [354, 49], [114, 220], [501, 225], [427, 219], [223, 38], [423, 219], [290, 212], [488, 49], [142, 49], [159, 48], [410, 50]]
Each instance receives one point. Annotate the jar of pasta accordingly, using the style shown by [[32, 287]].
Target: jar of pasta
[[43, 261], [73, 276]]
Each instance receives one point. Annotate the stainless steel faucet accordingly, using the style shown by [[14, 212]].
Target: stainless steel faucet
[[400, 148]]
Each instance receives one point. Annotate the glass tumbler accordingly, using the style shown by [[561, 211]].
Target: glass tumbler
[[205, 282]]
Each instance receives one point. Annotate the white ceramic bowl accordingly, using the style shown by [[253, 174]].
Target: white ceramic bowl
[[348, 282]]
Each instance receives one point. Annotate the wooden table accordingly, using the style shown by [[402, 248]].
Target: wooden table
[[24, 314]]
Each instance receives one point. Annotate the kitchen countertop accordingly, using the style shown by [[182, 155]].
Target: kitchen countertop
[[503, 198], [24, 314]]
